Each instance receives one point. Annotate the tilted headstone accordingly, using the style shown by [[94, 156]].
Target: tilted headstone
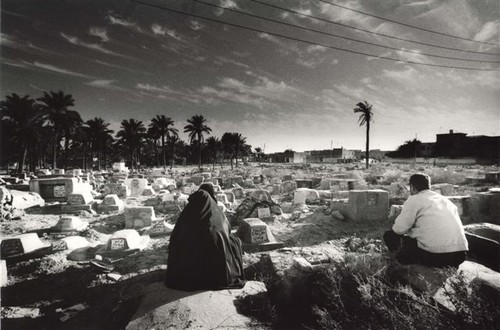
[[80, 198], [236, 180], [139, 216], [148, 191], [119, 189]]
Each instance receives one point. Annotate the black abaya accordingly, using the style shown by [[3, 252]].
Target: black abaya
[[203, 255]]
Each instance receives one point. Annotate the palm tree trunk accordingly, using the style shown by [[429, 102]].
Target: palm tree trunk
[[173, 157], [23, 159], [367, 155], [163, 152], [66, 145], [199, 154], [54, 162]]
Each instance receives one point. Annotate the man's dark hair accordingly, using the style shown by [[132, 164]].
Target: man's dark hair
[[420, 181]]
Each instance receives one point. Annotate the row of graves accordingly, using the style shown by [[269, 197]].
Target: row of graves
[[249, 203]]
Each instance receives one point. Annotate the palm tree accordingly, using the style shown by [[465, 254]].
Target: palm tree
[[196, 127], [131, 136], [23, 119], [365, 117], [62, 120], [161, 125], [214, 147], [233, 145], [98, 134]]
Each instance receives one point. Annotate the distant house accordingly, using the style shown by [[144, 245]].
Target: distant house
[[486, 149], [335, 155]]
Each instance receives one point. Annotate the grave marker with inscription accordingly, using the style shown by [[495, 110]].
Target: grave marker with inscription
[[256, 236]]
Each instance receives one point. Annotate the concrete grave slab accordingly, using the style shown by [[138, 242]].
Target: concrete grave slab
[[58, 189], [124, 241], [119, 189], [462, 204], [238, 193], [159, 228], [70, 243], [139, 216], [484, 243], [70, 224], [256, 236], [111, 203], [20, 245], [230, 196], [164, 308], [197, 179], [367, 205], [148, 191], [305, 195], [492, 177], [236, 180]]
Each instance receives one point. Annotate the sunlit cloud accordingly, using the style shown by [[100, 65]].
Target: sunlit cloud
[[99, 32], [56, 69]]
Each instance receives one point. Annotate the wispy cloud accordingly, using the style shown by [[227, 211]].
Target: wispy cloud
[[77, 42], [167, 93], [489, 32], [56, 69], [9, 41], [101, 83], [123, 22], [161, 30], [14, 64], [262, 93], [99, 32], [196, 25]]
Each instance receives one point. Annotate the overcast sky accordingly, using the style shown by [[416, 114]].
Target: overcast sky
[[120, 60]]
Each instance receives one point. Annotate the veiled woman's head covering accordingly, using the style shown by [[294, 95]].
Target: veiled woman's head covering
[[208, 188]]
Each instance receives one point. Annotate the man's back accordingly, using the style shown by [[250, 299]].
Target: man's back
[[433, 221]]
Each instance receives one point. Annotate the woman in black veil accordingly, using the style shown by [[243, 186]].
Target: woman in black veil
[[203, 255]]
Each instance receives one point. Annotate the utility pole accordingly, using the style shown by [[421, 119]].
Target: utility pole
[[415, 151]]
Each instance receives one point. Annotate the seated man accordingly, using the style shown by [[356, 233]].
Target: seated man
[[202, 253], [429, 230]]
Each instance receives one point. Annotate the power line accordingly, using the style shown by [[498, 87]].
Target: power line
[[407, 25], [306, 41], [372, 32], [343, 37]]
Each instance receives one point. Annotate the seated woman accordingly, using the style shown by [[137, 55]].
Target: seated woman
[[203, 255]]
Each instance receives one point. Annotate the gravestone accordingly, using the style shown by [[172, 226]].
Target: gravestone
[[222, 198], [119, 189], [365, 205], [303, 183], [159, 228], [70, 243], [58, 189], [256, 236], [264, 212], [81, 201], [230, 196], [275, 181], [484, 243], [197, 179], [206, 176], [111, 203], [248, 183], [274, 189], [462, 204], [125, 240], [139, 216], [187, 190], [3, 273], [492, 177], [288, 177], [58, 171], [445, 189], [238, 193], [235, 180], [70, 224], [395, 211], [22, 244], [260, 195], [148, 191], [305, 195], [288, 186], [136, 186]]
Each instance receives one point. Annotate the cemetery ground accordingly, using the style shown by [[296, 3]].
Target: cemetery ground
[[330, 272]]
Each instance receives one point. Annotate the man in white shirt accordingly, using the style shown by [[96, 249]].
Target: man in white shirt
[[429, 230]]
